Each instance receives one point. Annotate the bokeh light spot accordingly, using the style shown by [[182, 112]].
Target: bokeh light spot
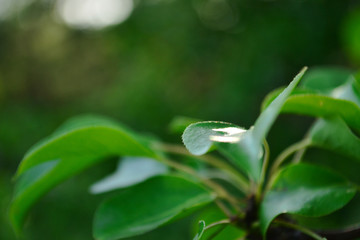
[[94, 14]]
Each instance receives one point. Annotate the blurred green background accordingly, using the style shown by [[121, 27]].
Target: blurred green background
[[144, 62]]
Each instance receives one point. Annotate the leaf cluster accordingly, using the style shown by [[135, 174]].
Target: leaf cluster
[[225, 172]]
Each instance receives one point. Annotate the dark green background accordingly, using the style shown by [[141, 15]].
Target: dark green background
[[211, 60]]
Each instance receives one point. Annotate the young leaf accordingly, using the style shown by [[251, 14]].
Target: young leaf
[[200, 230], [228, 138], [268, 116], [146, 206], [83, 142], [199, 137], [130, 170], [305, 190], [251, 143], [244, 148]]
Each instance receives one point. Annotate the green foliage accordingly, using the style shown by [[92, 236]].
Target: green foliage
[[212, 215], [246, 153], [325, 80], [198, 137], [253, 195], [305, 190], [146, 206], [77, 145], [346, 218], [333, 134], [130, 170]]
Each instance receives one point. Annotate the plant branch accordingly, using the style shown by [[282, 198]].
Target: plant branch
[[283, 156], [299, 155], [225, 221], [224, 208], [220, 191], [301, 229], [241, 181], [288, 152], [263, 170]]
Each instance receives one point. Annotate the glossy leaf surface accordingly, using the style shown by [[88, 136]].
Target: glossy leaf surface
[[268, 116], [199, 137], [130, 170], [333, 134], [79, 144], [305, 190], [244, 148], [327, 92], [251, 144], [146, 206]]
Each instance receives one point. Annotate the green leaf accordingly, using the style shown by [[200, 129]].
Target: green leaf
[[322, 106], [337, 94], [251, 143], [146, 206], [346, 218], [130, 170], [269, 115], [199, 137], [244, 148], [325, 79], [228, 138], [32, 175], [357, 82], [333, 134], [200, 230], [79, 144], [347, 91], [333, 82], [305, 190]]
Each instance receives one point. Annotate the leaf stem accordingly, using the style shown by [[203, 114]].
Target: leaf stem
[[283, 156], [299, 155], [301, 229], [220, 191], [223, 208], [287, 152], [263, 170], [221, 222], [241, 181], [225, 221]]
